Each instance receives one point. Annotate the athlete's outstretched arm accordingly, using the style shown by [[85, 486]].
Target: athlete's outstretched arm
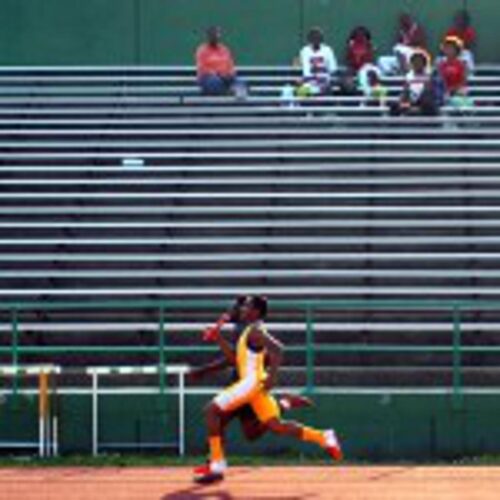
[[226, 349], [213, 367]]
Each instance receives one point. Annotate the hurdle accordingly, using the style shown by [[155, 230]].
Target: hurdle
[[48, 428], [177, 370]]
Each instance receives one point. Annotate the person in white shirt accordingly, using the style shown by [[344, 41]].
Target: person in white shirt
[[418, 96], [318, 64]]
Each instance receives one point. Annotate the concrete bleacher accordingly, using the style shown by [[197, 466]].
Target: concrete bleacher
[[329, 199]]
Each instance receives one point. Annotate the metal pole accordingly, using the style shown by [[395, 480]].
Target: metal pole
[[457, 357], [15, 350], [55, 411], [161, 352], [182, 444], [41, 430], [162, 370], [55, 436], [309, 350], [95, 413]]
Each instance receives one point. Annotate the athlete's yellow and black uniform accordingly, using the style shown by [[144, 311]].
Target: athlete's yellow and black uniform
[[248, 389]]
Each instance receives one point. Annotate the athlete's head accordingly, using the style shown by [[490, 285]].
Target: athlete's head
[[254, 308], [236, 308]]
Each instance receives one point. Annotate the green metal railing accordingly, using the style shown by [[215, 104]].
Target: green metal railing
[[307, 307]]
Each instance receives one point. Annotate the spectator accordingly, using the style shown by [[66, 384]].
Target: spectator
[[463, 30], [348, 86], [418, 96], [410, 32], [318, 64], [410, 37], [215, 66], [453, 73], [369, 82], [359, 49]]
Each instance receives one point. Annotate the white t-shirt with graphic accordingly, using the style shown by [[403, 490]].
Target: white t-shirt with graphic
[[416, 84], [318, 65]]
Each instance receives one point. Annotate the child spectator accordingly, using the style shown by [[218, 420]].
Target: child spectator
[[453, 73], [215, 66], [318, 64], [359, 49], [418, 96], [410, 38], [369, 82], [463, 30]]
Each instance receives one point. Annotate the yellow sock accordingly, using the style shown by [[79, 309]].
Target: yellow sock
[[216, 451], [313, 436]]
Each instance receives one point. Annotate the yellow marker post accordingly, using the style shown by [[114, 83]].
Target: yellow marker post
[[43, 411]]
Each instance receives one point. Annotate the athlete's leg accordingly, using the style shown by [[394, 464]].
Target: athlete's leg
[[225, 402], [267, 410], [251, 426], [229, 400], [214, 419], [295, 430], [326, 439]]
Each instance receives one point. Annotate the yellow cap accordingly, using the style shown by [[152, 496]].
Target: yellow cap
[[458, 42]]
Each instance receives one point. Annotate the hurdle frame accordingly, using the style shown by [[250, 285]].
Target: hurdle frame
[[178, 370], [48, 428]]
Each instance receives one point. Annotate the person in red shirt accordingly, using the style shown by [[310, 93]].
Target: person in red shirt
[[410, 37], [410, 32], [215, 65], [463, 30], [359, 49], [452, 69]]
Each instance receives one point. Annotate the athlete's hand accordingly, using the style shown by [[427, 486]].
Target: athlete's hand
[[211, 334], [195, 374]]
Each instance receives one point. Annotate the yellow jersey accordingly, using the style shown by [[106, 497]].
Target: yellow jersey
[[249, 363]]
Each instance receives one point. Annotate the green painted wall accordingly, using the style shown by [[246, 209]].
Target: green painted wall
[[373, 427], [487, 20], [259, 32], [382, 427], [168, 31], [66, 32]]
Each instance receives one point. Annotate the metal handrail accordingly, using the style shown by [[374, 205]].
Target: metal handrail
[[308, 307]]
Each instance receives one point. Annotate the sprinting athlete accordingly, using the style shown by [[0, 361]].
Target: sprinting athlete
[[255, 380], [252, 428]]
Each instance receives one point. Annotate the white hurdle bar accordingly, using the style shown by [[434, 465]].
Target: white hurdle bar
[[48, 445], [95, 372]]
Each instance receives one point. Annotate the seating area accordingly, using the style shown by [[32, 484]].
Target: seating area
[[125, 183]]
